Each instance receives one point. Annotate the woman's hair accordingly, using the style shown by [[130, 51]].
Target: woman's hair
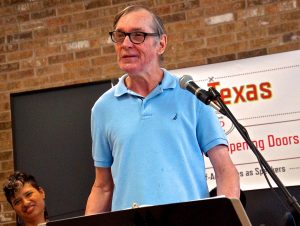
[[157, 22], [15, 182]]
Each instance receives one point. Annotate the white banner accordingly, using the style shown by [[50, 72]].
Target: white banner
[[262, 93]]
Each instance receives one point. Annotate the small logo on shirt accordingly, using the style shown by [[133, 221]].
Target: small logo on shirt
[[175, 117]]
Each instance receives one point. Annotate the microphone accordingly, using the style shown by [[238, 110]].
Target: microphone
[[187, 82]]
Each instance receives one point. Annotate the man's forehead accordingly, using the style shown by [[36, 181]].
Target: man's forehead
[[140, 17]]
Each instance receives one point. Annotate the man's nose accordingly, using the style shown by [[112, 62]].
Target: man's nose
[[127, 41]]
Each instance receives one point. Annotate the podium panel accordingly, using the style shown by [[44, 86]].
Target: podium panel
[[207, 212]]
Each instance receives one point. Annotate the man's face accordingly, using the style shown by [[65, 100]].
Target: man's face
[[29, 202], [138, 58]]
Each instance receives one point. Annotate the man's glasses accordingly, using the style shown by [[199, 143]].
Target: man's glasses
[[136, 37]]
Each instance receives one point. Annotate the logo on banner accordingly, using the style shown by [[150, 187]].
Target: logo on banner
[[226, 124]]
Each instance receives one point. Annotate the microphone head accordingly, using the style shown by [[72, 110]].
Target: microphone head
[[184, 81]]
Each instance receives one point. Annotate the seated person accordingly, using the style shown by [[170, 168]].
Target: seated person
[[27, 199]]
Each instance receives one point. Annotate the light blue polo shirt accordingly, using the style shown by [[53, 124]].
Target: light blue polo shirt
[[154, 145]]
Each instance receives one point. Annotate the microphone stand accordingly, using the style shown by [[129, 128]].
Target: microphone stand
[[294, 216]]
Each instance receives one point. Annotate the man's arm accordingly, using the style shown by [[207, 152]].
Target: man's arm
[[227, 177], [100, 197]]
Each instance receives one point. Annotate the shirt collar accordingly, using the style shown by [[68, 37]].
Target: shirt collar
[[168, 82]]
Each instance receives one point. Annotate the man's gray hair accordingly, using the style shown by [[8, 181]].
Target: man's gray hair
[[158, 25]]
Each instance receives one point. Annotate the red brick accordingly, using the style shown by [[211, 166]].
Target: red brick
[[224, 58], [71, 8], [233, 48], [31, 84], [9, 67], [60, 58], [33, 63], [183, 26], [7, 11], [192, 63], [224, 8], [260, 22], [21, 74], [252, 53], [5, 107], [32, 25], [282, 28], [85, 16], [290, 37], [46, 32], [19, 37], [220, 40], [2, 40], [97, 4], [59, 39], [174, 18], [4, 117], [8, 48], [264, 42], [74, 27], [10, 29], [104, 60], [284, 48], [43, 14], [219, 29], [13, 86], [10, 20], [59, 21], [16, 56], [87, 53], [2, 59], [100, 22], [33, 44], [162, 10], [47, 51], [53, 69], [259, 2], [7, 165], [5, 137], [295, 15], [74, 65], [194, 13], [251, 34], [55, 3], [205, 52], [23, 18], [108, 49], [29, 6], [6, 155]]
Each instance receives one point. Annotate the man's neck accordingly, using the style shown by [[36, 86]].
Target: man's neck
[[144, 84]]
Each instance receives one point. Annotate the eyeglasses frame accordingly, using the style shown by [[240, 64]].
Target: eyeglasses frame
[[129, 35]]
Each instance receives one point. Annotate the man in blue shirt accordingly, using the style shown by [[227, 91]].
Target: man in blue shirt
[[149, 135]]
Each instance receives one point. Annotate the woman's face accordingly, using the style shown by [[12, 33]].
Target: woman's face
[[29, 203]]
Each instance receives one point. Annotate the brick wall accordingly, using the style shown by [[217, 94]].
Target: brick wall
[[53, 43]]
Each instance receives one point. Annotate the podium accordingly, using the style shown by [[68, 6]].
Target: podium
[[217, 211]]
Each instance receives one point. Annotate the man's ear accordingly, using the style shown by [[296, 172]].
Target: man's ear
[[162, 44]]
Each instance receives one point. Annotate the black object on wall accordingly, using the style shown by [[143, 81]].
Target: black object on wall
[[52, 141]]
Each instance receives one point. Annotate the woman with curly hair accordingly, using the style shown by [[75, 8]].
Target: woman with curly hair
[[27, 199]]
